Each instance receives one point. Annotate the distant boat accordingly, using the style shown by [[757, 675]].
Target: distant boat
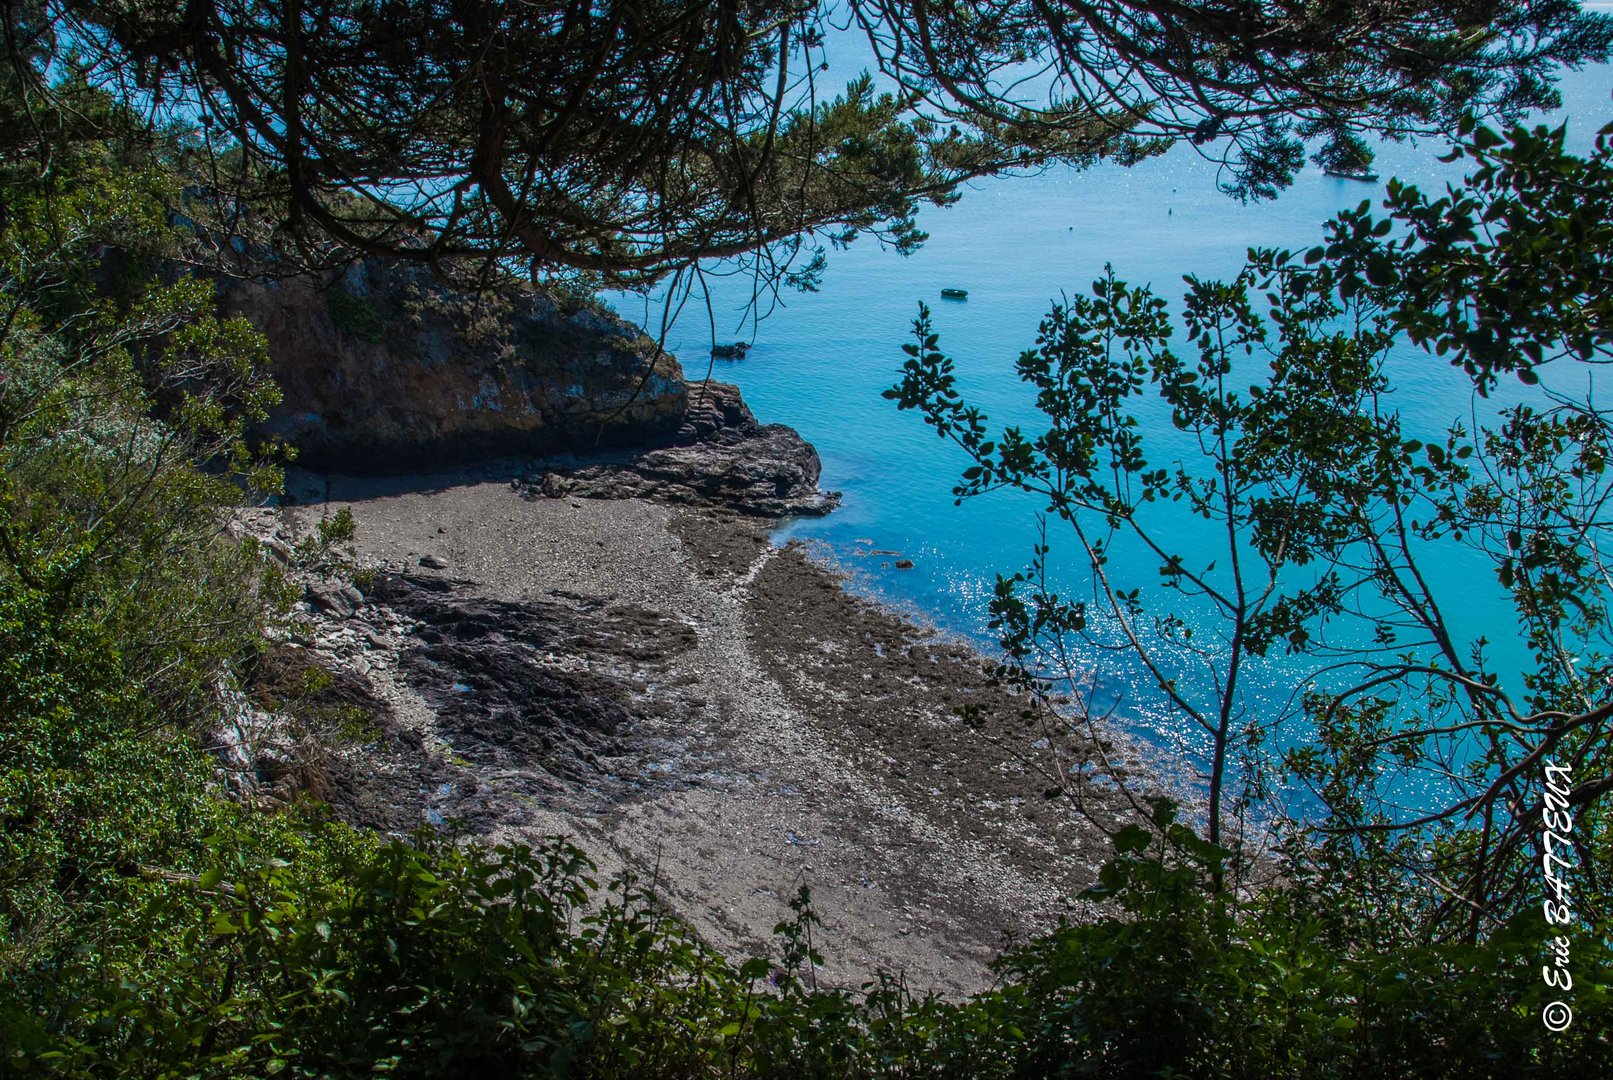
[[955, 294], [1346, 174]]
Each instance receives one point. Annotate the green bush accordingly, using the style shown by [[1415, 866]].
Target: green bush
[[354, 315]]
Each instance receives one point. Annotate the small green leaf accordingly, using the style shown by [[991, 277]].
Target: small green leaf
[[1132, 838]]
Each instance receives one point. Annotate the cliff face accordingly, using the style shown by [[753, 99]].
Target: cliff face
[[387, 369]]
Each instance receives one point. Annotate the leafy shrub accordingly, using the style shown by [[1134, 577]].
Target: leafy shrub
[[354, 315]]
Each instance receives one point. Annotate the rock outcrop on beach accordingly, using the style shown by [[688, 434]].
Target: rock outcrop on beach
[[722, 459], [386, 368]]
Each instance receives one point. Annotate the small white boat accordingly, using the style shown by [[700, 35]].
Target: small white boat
[[1363, 176]]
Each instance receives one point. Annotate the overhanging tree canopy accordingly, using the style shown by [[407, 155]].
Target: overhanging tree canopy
[[624, 139]]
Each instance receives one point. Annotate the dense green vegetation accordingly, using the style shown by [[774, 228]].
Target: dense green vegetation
[[150, 926]]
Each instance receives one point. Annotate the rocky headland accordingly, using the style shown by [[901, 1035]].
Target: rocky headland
[[384, 368], [591, 634]]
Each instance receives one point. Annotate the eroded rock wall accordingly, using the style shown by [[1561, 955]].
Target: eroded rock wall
[[385, 368]]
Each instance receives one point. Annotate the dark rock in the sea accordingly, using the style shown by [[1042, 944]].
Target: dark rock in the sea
[[736, 351], [724, 459], [904, 564]]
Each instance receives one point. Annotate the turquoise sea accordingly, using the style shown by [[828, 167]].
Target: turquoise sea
[[820, 361]]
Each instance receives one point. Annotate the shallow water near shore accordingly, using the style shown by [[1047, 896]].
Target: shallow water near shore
[[820, 361]]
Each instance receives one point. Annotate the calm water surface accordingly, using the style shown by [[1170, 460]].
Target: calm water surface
[[820, 361]]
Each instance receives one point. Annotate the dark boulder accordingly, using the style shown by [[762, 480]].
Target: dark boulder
[[723, 458]]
